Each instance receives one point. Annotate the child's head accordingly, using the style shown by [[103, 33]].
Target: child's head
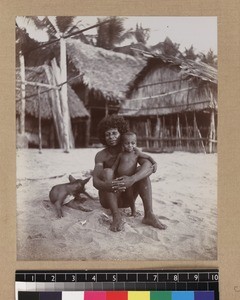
[[129, 141]]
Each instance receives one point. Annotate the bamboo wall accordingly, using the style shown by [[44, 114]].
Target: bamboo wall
[[49, 134], [165, 91], [191, 131]]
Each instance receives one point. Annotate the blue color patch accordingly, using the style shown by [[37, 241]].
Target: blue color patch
[[182, 295]]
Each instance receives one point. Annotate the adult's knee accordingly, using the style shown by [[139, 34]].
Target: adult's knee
[[144, 183], [146, 180], [108, 174]]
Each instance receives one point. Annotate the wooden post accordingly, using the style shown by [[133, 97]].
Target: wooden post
[[178, 133], [60, 104], [146, 131], [39, 121], [172, 143], [156, 132], [160, 133], [55, 105], [64, 96], [164, 132], [197, 134], [23, 94], [212, 135], [149, 131], [106, 108], [88, 127], [187, 130]]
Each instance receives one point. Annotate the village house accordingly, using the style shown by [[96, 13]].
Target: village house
[[103, 81], [99, 77], [172, 105], [43, 110]]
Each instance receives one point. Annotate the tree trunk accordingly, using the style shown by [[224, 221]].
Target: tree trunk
[[55, 102], [39, 121], [64, 96], [23, 94]]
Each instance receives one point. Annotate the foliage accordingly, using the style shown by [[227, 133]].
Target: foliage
[[170, 48], [110, 33], [142, 34], [167, 47], [113, 32], [64, 23], [190, 53], [210, 58], [24, 43]]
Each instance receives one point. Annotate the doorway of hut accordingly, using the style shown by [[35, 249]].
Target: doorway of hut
[[97, 114], [80, 132]]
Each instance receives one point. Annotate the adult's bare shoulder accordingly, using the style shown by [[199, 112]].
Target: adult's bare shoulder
[[101, 156]]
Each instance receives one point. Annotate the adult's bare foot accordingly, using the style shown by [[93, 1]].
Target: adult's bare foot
[[117, 223], [135, 214], [152, 220]]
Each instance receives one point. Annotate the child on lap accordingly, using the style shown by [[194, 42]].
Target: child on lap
[[126, 163]]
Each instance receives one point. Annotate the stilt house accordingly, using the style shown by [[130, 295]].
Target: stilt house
[[42, 107], [172, 105]]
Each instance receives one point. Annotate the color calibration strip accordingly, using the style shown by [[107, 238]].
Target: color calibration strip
[[158, 284], [118, 295]]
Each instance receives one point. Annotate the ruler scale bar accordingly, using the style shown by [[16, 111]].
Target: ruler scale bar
[[93, 276], [200, 284]]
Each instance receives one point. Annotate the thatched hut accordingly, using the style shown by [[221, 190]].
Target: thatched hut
[[99, 77], [41, 109], [104, 78], [172, 104]]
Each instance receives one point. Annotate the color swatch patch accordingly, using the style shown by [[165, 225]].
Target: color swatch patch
[[118, 295]]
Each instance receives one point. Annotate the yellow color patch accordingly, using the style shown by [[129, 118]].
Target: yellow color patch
[[138, 295]]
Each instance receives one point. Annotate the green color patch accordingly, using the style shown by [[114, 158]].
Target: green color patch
[[163, 295]]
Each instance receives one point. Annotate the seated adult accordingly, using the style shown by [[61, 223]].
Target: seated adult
[[112, 190]]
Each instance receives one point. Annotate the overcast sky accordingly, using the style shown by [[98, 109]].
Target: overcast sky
[[201, 32]]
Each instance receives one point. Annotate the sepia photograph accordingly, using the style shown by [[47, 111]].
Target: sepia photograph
[[116, 138]]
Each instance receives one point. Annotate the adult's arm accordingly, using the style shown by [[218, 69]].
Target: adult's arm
[[140, 154], [146, 156]]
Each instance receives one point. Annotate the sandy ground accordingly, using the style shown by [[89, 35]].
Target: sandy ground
[[184, 198]]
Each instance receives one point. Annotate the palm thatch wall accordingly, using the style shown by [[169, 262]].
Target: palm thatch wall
[[173, 102], [47, 99]]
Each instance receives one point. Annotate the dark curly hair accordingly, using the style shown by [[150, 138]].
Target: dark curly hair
[[113, 121]]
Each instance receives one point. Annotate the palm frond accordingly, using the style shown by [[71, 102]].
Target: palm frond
[[64, 23]]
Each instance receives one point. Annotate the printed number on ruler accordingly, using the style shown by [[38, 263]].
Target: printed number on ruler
[[214, 277]]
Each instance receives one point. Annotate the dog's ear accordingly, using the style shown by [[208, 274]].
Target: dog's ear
[[86, 180], [71, 178]]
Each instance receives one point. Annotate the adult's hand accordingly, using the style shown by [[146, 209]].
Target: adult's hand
[[120, 184]]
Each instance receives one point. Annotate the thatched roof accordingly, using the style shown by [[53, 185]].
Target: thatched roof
[[38, 74], [133, 49], [189, 68], [187, 85], [106, 72]]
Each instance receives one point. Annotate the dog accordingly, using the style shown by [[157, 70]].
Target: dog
[[60, 192]]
